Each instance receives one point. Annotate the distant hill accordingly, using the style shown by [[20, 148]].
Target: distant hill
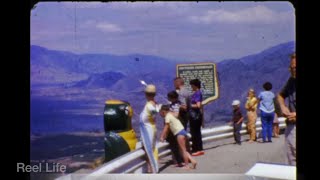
[[44, 64], [105, 80], [238, 75], [119, 77]]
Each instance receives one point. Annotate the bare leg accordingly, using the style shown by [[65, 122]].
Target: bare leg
[[186, 155], [277, 130], [276, 126]]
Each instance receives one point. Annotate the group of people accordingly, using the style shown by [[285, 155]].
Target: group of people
[[266, 101], [185, 110], [271, 107]]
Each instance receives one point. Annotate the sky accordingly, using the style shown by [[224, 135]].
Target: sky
[[175, 30]]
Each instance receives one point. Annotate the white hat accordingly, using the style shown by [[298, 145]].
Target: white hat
[[150, 88], [235, 102]]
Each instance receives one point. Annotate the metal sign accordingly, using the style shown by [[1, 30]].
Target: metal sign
[[206, 73]]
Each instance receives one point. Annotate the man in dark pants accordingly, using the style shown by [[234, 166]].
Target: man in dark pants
[[237, 121], [184, 98]]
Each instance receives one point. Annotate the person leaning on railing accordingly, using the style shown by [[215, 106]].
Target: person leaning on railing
[[289, 92], [175, 126], [173, 144]]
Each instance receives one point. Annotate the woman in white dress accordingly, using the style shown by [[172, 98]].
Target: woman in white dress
[[148, 129]]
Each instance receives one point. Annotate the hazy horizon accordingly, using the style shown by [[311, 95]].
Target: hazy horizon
[[137, 53]]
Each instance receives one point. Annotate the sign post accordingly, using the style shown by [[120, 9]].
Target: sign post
[[206, 73]]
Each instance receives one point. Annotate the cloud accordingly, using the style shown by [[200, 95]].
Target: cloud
[[83, 5], [108, 27], [147, 5], [257, 14], [126, 5]]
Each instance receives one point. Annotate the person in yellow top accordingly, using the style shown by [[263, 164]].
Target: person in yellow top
[[180, 134], [148, 129], [251, 107]]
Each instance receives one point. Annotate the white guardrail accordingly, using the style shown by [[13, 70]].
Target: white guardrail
[[135, 162]]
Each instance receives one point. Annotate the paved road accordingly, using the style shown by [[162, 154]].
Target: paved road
[[226, 157]]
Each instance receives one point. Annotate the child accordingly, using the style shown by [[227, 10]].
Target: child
[[237, 121], [178, 131], [175, 105], [173, 144], [266, 99], [176, 109]]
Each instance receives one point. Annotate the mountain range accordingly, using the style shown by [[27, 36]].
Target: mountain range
[[68, 90]]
